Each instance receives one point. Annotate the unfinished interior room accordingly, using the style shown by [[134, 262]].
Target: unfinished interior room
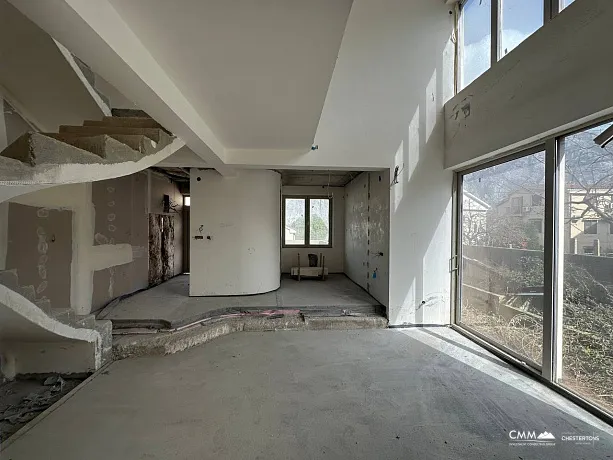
[[325, 229]]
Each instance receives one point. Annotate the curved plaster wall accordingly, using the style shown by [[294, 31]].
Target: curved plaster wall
[[235, 233]]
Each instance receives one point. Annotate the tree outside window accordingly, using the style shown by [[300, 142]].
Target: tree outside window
[[307, 221]]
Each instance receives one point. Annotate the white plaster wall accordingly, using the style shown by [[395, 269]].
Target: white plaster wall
[[241, 216], [557, 78], [334, 255], [384, 109]]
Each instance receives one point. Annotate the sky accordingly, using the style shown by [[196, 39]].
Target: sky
[[520, 18]]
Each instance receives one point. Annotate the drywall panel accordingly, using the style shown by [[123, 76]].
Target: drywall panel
[[110, 283], [378, 236], [112, 201], [40, 249], [558, 77], [140, 232], [235, 236], [75, 197], [367, 220], [356, 230], [334, 255]]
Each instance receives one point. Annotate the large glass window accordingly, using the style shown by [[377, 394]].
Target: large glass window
[[501, 296], [490, 29], [586, 311], [477, 39], [306, 221], [565, 3], [519, 19]]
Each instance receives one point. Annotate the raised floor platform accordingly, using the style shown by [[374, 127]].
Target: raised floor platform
[[168, 306]]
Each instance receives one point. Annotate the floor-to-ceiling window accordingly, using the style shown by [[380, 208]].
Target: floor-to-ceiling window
[[535, 260], [501, 294], [585, 311]]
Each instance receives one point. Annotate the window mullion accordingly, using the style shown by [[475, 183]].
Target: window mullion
[[495, 29], [551, 8], [307, 221], [551, 256]]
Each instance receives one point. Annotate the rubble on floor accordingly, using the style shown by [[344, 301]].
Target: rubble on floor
[[22, 400]]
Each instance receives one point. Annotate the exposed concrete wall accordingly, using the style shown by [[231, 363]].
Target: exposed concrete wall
[[555, 79], [235, 236], [367, 218], [161, 186], [334, 255]]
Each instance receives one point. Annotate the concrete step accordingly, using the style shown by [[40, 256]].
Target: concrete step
[[129, 113], [37, 148], [163, 343], [104, 327], [125, 122], [154, 134], [10, 279], [63, 315]]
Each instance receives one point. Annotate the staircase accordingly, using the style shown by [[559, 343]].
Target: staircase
[[9, 278], [34, 337], [99, 149], [93, 346]]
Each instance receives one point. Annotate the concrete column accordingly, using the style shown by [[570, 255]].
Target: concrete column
[[235, 233]]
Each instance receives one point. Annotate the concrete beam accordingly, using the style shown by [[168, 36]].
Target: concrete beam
[[97, 34]]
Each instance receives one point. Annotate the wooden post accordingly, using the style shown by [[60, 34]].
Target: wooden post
[[298, 266]]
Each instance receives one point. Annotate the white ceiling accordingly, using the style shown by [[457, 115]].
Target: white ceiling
[[257, 72]]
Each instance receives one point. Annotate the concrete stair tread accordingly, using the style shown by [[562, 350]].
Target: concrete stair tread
[[154, 134], [125, 122], [129, 113], [37, 148]]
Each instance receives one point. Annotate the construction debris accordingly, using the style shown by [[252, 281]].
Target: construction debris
[[23, 400]]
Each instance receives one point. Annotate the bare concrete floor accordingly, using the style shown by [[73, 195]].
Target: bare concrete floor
[[388, 394], [170, 301]]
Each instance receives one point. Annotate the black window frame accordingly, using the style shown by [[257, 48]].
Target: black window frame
[[307, 220]]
